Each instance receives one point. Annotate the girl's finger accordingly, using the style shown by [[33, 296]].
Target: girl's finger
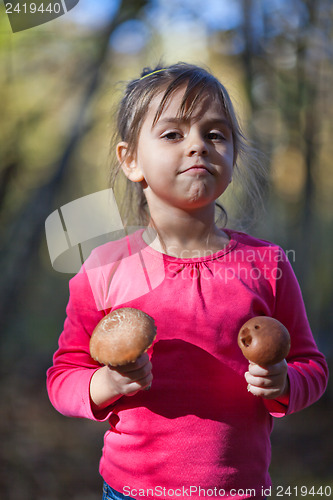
[[268, 371], [139, 385], [263, 393], [142, 361], [262, 382], [258, 371]]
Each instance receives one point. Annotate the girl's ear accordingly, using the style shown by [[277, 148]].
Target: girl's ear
[[128, 163]]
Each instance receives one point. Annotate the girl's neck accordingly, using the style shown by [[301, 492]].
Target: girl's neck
[[194, 233]]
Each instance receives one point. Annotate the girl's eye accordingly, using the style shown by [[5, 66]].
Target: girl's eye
[[216, 136], [171, 136]]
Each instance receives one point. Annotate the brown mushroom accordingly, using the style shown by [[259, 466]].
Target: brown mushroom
[[264, 340], [122, 336]]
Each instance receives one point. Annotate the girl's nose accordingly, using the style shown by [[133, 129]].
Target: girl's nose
[[197, 147]]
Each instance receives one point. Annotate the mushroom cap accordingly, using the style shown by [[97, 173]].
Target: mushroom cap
[[264, 340], [122, 336]]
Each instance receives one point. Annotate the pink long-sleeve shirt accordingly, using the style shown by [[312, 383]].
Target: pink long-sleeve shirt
[[197, 430]]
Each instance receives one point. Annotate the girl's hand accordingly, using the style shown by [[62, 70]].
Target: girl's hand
[[128, 379], [270, 382], [110, 383]]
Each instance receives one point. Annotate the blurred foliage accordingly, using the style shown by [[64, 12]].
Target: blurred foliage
[[59, 85]]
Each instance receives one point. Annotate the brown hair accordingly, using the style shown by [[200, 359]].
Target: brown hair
[[132, 112]]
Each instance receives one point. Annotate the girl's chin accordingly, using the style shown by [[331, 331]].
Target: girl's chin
[[196, 196], [197, 204], [199, 197]]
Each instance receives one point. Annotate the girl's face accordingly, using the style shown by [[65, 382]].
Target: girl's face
[[186, 164]]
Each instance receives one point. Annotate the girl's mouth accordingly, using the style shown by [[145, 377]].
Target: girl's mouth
[[197, 169]]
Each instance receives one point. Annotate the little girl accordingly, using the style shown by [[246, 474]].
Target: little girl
[[203, 427]]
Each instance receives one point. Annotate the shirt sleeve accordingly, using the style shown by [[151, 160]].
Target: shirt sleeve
[[307, 367], [68, 380]]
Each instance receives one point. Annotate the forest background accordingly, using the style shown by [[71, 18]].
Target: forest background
[[59, 84]]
